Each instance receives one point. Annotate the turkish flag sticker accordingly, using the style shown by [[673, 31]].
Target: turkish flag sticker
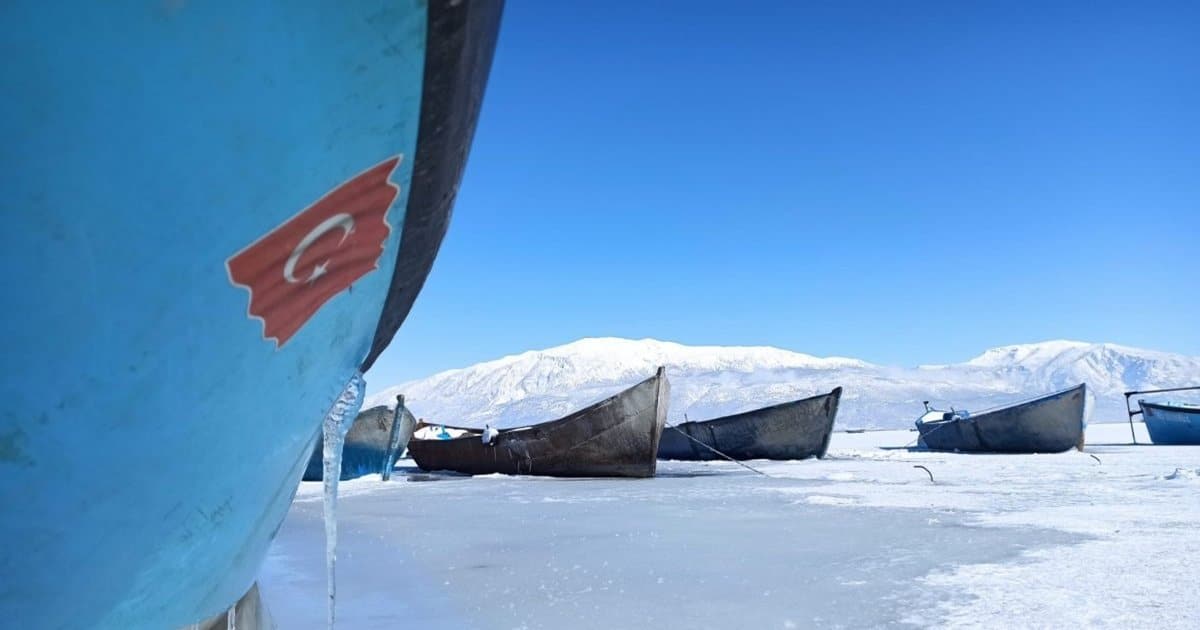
[[296, 268]]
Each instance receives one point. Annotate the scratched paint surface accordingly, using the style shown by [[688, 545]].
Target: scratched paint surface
[[151, 437]]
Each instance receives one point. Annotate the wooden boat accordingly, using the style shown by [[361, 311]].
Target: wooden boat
[[371, 446], [616, 437], [1170, 423], [1050, 424], [1167, 423], [792, 430], [218, 214]]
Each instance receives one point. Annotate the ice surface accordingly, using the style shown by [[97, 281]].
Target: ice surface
[[1184, 473], [334, 429], [859, 539]]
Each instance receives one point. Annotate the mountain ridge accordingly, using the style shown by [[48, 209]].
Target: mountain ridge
[[709, 381]]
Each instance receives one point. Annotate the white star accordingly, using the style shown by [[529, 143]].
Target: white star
[[318, 271]]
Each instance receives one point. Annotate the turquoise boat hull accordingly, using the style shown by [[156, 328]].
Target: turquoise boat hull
[[1171, 424], [217, 214]]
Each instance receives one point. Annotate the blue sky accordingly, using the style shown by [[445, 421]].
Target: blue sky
[[898, 182]]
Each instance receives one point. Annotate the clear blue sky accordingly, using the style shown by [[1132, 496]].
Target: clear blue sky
[[898, 182]]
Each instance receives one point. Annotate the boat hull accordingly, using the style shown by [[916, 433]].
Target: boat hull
[[1050, 424], [216, 215], [794, 430], [617, 437], [367, 448], [1171, 424]]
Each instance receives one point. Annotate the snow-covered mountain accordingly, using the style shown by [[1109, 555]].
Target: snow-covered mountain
[[709, 381]]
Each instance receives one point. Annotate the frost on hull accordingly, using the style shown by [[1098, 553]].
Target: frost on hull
[[333, 431]]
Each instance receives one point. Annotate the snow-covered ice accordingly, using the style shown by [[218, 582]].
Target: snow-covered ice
[[859, 539]]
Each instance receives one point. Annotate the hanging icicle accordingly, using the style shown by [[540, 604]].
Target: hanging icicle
[[334, 431], [394, 439]]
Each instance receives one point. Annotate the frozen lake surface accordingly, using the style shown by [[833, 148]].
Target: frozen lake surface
[[858, 539]]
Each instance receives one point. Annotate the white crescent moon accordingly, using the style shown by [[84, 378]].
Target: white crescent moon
[[342, 220]]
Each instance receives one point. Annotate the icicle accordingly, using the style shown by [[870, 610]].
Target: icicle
[[393, 439], [334, 433]]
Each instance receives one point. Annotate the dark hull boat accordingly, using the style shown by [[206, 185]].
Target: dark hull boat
[[1050, 424], [217, 214], [616, 437], [792, 430], [1171, 424], [378, 436]]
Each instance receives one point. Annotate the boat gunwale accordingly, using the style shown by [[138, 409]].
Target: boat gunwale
[[1177, 407], [994, 410], [836, 392]]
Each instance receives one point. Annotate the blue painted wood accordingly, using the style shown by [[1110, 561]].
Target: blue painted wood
[[152, 438], [1171, 424]]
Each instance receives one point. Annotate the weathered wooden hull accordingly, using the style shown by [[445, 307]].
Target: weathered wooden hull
[[616, 437], [794, 430], [1171, 424], [368, 446], [1050, 424]]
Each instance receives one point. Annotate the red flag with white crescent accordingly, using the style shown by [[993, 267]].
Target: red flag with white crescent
[[300, 265]]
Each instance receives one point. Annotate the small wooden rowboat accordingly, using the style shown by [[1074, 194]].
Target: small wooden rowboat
[[1050, 424], [792, 430], [378, 436], [616, 437]]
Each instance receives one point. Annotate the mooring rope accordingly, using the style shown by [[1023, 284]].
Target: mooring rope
[[743, 465]]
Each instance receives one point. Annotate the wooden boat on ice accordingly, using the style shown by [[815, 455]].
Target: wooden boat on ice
[[1049, 424], [1166, 422], [378, 436], [1170, 423], [792, 430], [616, 437], [217, 215]]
